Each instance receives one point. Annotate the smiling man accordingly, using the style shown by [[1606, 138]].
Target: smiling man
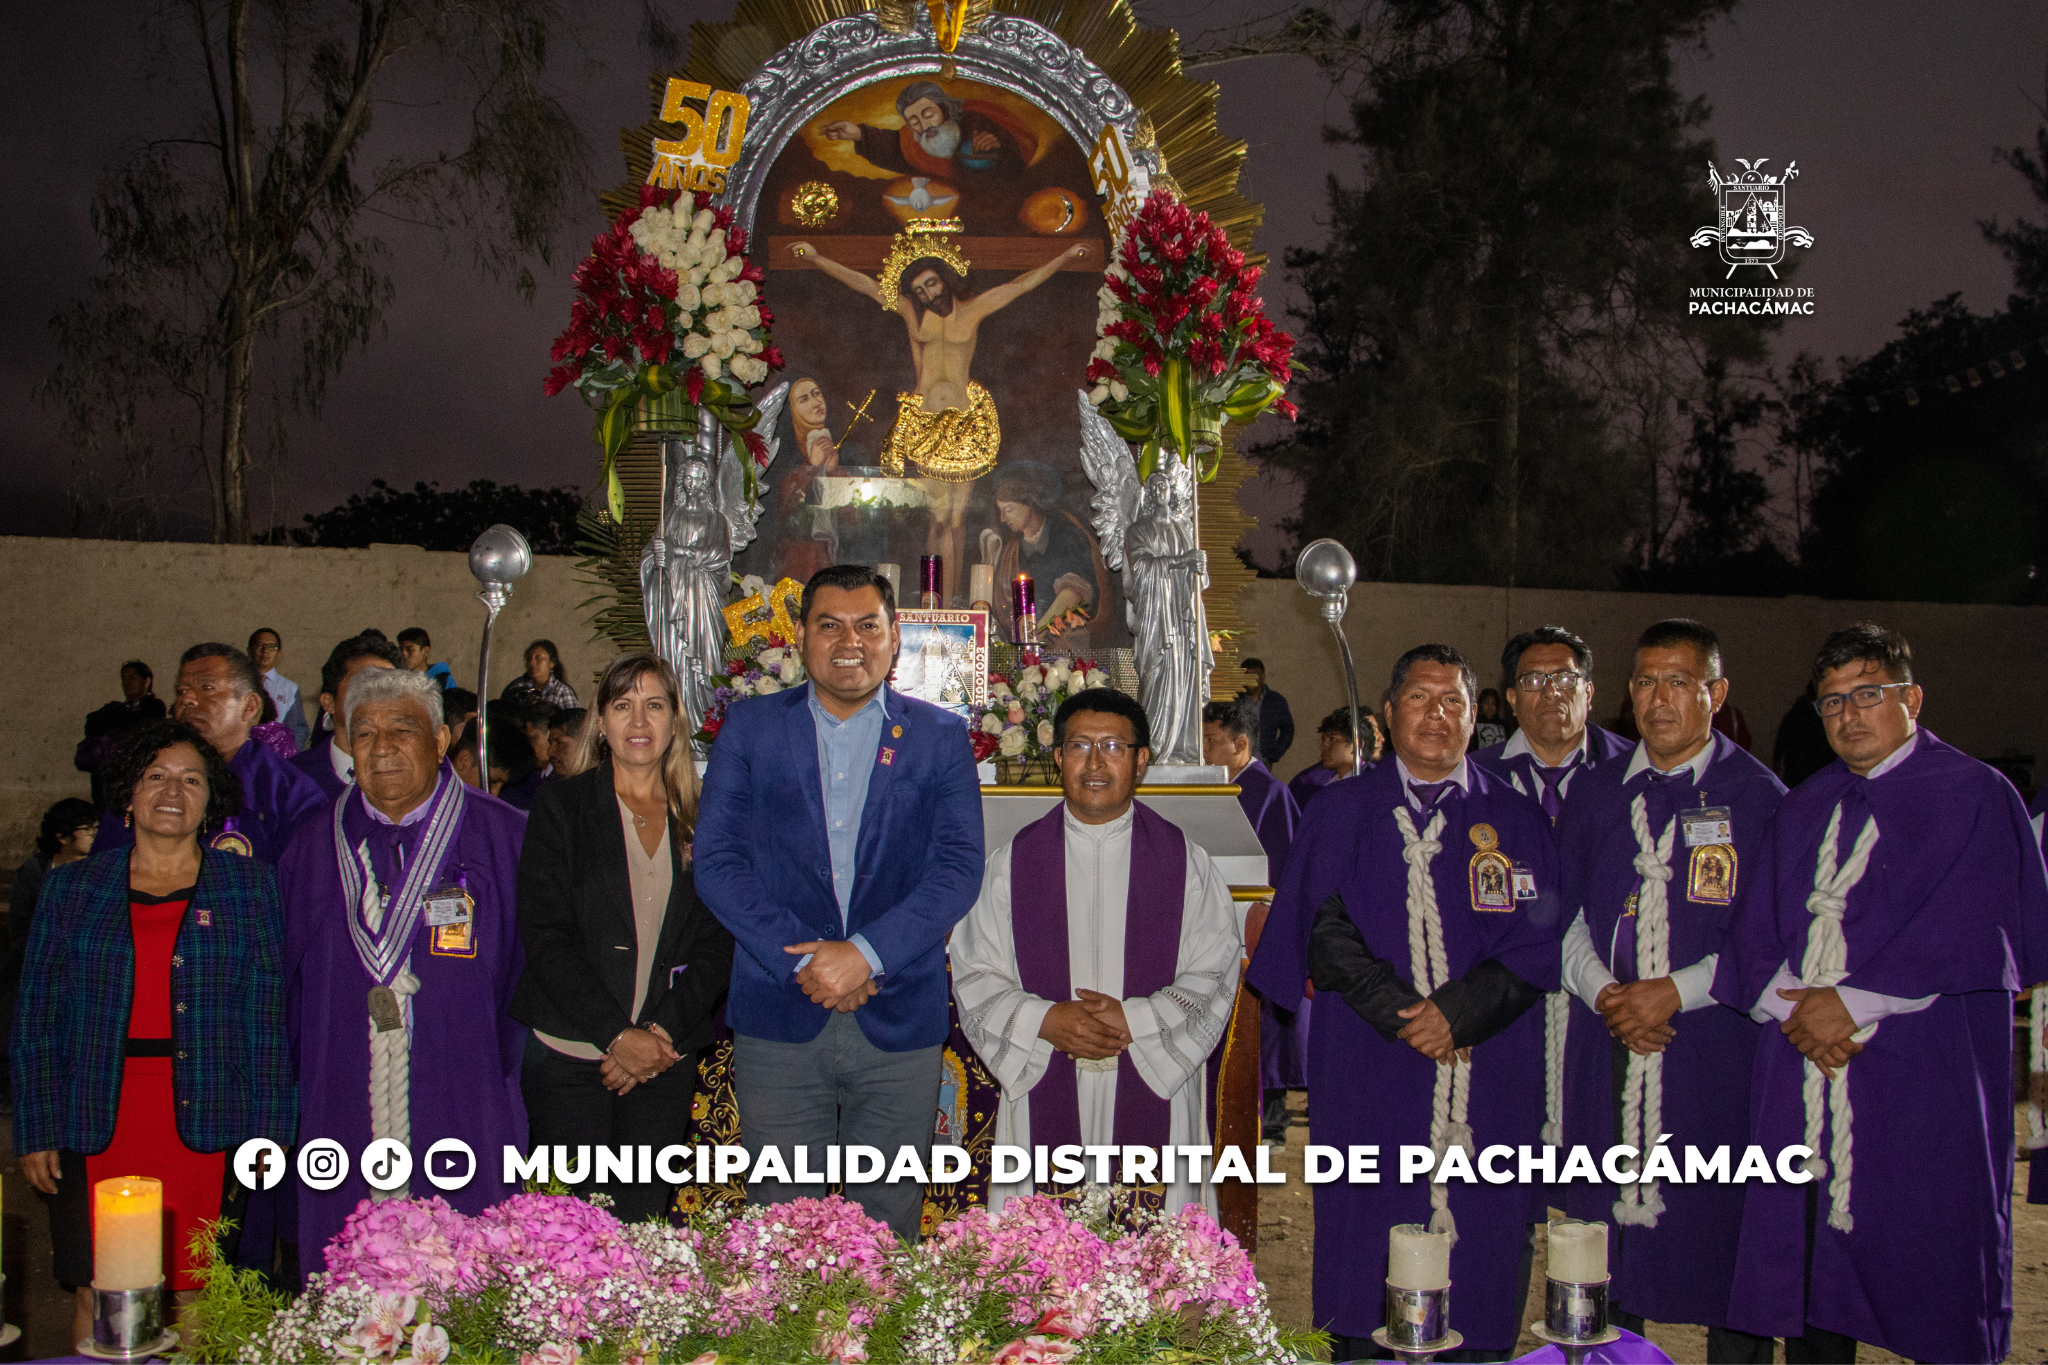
[[1656, 854], [1421, 896], [1097, 970], [401, 952], [839, 839], [1900, 902]]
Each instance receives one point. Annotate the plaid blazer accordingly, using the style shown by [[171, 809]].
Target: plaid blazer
[[231, 1073]]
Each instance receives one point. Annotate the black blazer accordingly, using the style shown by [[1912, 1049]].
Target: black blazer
[[576, 923]]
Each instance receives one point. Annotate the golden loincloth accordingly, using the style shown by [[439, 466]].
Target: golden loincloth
[[953, 445]]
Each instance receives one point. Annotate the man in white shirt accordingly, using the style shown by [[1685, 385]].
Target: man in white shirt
[[1655, 854], [1096, 997], [266, 647]]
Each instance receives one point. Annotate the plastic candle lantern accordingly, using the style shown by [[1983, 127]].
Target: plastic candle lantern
[[1418, 1258], [1578, 1252], [127, 1233]]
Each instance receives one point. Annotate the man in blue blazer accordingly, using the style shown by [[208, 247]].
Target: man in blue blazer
[[839, 838]]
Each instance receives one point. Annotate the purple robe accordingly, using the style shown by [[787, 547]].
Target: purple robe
[[1283, 1035], [1954, 904], [317, 762], [1038, 913], [1372, 1091], [1604, 748], [1681, 1269], [2037, 1166], [276, 797], [466, 1050], [1308, 782]]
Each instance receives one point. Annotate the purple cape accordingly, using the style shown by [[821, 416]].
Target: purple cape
[[1604, 748], [1954, 904], [1308, 782], [1283, 1037], [466, 1049], [1369, 1090], [1680, 1270], [1154, 904], [276, 797], [2037, 1169], [316, 762]]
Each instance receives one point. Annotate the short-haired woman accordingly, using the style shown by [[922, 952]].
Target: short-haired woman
[[542, 680], [150, 1034], [625, 965]]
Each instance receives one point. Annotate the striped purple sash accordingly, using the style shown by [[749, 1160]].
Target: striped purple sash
[[1038, 917]]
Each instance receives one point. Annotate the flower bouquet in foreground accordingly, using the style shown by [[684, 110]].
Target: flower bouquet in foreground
[[552, 1280], [667, 306], [1017, 722], [1183, 342]]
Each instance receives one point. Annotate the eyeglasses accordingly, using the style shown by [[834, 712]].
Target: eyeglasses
[[1564, 682], [1110, 749], [1865, 697]]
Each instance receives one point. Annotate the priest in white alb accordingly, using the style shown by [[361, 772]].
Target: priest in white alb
[[1096, 973]]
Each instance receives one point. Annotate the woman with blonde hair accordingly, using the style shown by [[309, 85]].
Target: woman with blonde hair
[[625, 965]]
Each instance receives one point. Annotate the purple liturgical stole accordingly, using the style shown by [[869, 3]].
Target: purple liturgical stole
[[1038, 917]]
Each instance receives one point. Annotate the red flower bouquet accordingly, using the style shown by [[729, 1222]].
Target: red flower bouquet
[[665, 302], [1183, 340]]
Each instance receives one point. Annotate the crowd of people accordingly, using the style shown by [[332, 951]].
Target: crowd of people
[[1646, 942]]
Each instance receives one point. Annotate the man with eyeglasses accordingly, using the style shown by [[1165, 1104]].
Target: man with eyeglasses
[[1422, 898], [1657, 851], [1547, 676], [1096, 972], [1898, 905]]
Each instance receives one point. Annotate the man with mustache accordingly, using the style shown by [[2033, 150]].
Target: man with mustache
[[1899, 902], [1422, 898], [957, 140], [839, 839], [1547, 678], [1656, 851]]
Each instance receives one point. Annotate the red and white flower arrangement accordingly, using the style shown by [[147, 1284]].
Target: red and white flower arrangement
[[667, 302], [1183, 341], [1017, 722]]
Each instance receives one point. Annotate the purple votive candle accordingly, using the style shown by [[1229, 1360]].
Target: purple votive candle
[[931, 570], [1024, 604]]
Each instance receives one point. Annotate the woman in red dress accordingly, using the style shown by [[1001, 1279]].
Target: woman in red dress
[[152, 995]]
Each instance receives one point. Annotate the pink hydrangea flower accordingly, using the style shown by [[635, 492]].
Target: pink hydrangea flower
[[768, 1254], [1034, 1252], [404, 1246]]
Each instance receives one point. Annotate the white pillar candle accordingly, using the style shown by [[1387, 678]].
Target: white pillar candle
[[1418, 1258], [127, 1233], [1578, 1252], [981, 580]]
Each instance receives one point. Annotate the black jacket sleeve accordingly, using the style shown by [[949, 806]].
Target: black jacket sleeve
[[1483, 1001], [1339, 961]]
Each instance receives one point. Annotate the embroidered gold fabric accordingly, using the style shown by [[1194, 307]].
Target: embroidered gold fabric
[[953, 445]]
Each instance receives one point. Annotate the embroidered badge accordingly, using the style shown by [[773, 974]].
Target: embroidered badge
[[1491, 874], [454, 940], [1710, 880], [204, 917], [889, 756], [232, 841]]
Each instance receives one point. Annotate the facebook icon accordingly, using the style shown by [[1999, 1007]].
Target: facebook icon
[[259, 1164]]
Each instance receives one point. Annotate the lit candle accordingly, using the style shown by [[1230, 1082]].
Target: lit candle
[[1418, 1258], [931, 581], [895, 577], [981, 586], [1578, 1252], [1024, 605], [127, 1233]]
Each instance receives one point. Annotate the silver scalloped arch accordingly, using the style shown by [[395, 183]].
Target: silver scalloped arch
[[1008, 51]]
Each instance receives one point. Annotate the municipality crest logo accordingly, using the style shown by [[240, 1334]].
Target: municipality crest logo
[[1753, 229]]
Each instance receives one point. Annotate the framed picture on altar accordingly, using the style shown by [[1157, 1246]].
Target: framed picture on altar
[[943, 658]]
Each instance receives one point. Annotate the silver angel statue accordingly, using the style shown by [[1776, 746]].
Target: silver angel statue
[[1149, 532], [686, 569]]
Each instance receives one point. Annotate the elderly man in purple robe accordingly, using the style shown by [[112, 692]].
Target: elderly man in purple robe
[[1655, 855], [1228, 730], [329, 761], [1422, 898], [401, 952], [220, 694], [1898, 904], [1097, 970]]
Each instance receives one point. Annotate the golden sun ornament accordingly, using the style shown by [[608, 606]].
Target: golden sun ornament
[[815, 203]]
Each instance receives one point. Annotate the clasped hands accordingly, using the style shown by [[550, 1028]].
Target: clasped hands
[[1638, 1013], [637, 1055], [1821, 1027], [1090, 1028], [837, 976], [1429, 1033]]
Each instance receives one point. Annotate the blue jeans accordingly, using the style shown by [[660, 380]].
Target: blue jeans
[[839, 1088]]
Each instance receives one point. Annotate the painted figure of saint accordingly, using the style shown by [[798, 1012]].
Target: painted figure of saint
[[961, 141]]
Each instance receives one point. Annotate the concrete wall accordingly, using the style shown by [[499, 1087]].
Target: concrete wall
[[73, 610], [1973, 661]]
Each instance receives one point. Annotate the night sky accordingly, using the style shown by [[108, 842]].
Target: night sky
[[1892, 110]]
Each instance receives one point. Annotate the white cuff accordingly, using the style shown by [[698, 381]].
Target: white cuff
[[1696, 984], [1769, 1005], [1867, 1007], [1585, 975]]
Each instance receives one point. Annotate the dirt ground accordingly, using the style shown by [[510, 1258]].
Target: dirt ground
[[1287, 1224]]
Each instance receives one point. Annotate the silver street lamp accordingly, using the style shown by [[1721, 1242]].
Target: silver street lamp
[[1325, 571], [499, 558]]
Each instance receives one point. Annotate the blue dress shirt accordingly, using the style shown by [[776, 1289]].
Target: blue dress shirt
[[847, 751]]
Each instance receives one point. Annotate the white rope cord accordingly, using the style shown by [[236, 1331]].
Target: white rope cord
[[1557, 1019], [2037, 1029], [1642, 1089], [391, 1077], [1825, 964], [1429, 967]]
